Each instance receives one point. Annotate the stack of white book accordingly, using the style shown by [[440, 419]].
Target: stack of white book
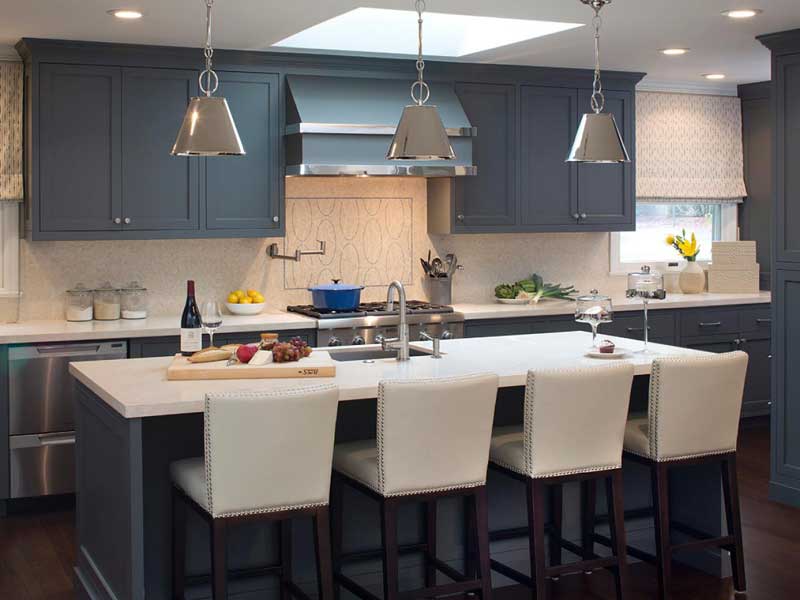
[[733, 268]]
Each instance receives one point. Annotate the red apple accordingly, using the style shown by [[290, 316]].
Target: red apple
[[245, 352]]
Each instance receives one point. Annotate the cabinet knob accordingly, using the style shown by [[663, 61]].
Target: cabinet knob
[[276, 219], [460, 218], [117, 220], [576, 216], [583, 216], [127, 220]]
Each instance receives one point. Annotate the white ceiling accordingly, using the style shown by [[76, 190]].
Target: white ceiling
[[633, 30]]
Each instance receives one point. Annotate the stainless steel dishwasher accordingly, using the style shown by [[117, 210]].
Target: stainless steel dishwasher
[[41, 407]]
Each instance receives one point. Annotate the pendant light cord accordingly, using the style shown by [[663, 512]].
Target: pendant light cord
[[208, 80], [598, 99], [424, 91]]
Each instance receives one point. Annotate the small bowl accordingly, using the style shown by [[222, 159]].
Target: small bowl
[[245, 309]]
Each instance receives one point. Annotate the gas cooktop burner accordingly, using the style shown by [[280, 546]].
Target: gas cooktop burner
[[370, 309]]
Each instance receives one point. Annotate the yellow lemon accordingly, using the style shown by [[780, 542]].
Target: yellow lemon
[[233, 299], [245, 300], [252, 293], [258, 299], [239, 293]]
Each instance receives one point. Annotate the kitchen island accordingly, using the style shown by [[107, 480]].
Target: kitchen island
[[132, 422]]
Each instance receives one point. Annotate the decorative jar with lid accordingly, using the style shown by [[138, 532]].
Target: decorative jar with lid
[[79, 304]]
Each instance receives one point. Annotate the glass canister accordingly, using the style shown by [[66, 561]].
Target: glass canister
[[647, 285], [594, 309], [106, 303], [134, 301], [80, 304]]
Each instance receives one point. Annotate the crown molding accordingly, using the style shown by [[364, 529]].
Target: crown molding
[[676, 87]]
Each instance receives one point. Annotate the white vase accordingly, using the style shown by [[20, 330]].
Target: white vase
[[692, 279]]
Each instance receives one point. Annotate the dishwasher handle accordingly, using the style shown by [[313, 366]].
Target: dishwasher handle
[[117, 349], [18, 442]]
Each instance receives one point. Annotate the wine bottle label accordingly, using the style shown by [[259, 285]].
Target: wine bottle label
[[191, 339]]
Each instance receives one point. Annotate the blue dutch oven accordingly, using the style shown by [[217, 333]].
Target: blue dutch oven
[[337, 296]]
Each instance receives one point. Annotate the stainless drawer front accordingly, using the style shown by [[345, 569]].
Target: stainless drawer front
[[41, 389], [42, 465]]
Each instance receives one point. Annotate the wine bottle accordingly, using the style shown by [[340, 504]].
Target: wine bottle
[[191, 324]]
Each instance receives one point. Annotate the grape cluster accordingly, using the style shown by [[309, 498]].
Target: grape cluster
[[290, 351]]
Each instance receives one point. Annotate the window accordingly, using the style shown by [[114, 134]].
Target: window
[[656, 220]]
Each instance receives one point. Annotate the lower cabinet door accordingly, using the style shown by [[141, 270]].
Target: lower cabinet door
[[757, 387]]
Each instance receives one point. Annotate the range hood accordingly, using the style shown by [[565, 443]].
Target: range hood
[[342, 126]]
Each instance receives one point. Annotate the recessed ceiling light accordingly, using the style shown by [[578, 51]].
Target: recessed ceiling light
[[128, 14], [714, 76], [742, 13], [387, 31], [674, 51]]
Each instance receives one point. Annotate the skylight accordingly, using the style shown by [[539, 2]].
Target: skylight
[[385, 31]]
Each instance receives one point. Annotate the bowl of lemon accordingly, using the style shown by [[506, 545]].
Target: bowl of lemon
[[250, 302]]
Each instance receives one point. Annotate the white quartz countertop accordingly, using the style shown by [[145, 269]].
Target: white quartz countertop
[[545, 307], [139, 388], [64, 331]]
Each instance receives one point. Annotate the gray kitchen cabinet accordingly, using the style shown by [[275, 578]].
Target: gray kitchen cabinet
[[159, 191], [170, 345], [488, 200], [786, 78], [759, 381], [606, 191], [154, 347], [307, 335], [243, 193], [79, 179], [548, 191]]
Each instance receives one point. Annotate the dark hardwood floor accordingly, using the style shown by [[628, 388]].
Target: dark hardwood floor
[[37, 549]]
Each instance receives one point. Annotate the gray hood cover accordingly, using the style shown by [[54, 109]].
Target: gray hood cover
[[343, 126]]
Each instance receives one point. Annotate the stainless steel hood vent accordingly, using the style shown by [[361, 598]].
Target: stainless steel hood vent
[[338, 126]]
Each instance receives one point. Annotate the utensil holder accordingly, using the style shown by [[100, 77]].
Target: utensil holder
[[440, 290]]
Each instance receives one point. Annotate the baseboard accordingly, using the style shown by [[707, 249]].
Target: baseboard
[[778, 492]]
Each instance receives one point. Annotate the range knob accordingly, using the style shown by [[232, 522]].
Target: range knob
[[379, 337], [334, 341], [358, 341], [447, 335]]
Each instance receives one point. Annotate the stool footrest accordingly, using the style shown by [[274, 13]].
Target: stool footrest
[[446, 569], [447, 589], [354, 587], [295, 591], [349, 557]]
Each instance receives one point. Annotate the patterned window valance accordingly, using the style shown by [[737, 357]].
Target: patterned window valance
[[689, 146], [737, 200], [11, 131]]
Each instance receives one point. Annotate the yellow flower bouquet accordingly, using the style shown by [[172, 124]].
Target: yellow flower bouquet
[[687, 247]]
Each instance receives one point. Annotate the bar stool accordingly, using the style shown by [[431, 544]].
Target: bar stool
[[692, 417], [432, 441], [267, 458], [574, 425]]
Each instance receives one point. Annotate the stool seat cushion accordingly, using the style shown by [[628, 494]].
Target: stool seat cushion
[[637, 436], [507, 448], [359, 461], [189, 475]]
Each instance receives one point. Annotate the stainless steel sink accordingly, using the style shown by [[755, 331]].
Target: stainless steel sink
[[356, 353]]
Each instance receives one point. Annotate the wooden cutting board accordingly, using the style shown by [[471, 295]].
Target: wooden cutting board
[[319, 364]]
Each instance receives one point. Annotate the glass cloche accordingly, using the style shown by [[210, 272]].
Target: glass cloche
[[647, 285], [594, 309]]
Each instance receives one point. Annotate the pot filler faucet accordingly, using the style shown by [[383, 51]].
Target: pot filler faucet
[[400, 343]]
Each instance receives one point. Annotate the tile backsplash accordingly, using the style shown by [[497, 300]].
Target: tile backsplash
[[376, 231]]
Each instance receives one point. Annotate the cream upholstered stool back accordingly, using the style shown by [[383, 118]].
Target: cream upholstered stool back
[[694, 407], [434, 434], [269, 451], [574, 422]]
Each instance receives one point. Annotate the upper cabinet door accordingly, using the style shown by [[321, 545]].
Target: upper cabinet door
[[79, 149], [244, 193], [606, 191], [159, 191], [787, 138], [489, 199], [548, 193]]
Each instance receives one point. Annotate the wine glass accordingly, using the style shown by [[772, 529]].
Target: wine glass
[[211, 315], [594, 309]]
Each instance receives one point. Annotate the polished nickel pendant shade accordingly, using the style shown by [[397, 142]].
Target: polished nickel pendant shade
[[208, 128], [598, 139], [420, 134]]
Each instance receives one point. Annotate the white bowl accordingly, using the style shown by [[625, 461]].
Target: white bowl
[[245, 309]]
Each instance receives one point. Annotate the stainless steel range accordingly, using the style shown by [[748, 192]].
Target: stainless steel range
[[372, 322]]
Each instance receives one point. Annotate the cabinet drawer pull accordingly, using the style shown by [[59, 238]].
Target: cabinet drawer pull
[[638, 329], [764, 321], [711, 324]]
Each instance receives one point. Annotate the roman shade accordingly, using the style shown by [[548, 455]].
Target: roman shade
[[11, 131], [689, 148]]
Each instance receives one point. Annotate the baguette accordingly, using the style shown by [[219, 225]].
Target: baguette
[[210, 355]]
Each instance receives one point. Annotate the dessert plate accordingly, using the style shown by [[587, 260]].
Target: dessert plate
[[618, 353]]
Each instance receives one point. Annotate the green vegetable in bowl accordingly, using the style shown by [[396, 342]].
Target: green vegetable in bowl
[[507, 291]]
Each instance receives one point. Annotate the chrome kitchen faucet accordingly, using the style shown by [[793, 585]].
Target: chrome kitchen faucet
[[400, 343]]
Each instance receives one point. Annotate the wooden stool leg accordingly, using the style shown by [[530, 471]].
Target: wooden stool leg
[[536, 532], [322, 548], [588, 509], [285, 545], [336, 508], [482, 535], [616, 522], [470, 565], [430, 541], [391, 562], [730, 486], [660, 485], [178, 546], [556, 517], [219, 560]]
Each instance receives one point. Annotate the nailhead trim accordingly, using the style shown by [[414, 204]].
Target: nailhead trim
[[208, 412]]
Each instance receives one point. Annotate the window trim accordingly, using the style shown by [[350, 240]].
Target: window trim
[[730, 230]]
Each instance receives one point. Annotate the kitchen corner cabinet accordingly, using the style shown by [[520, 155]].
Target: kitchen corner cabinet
[[104, 167], [523, 182]]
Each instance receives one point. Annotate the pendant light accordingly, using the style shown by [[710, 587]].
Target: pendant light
[[208, 128], [420, 135], [598, 139]]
